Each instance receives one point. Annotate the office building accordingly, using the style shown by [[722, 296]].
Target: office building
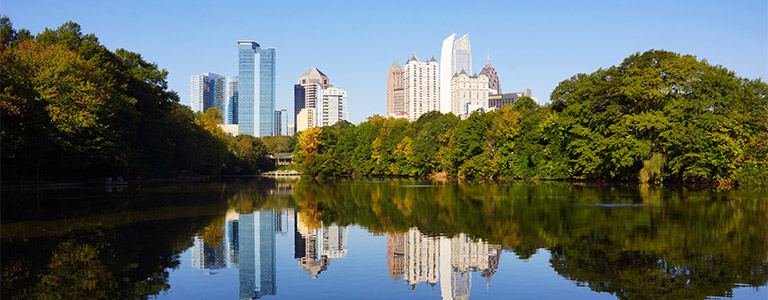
[[493, 78], [468, 93], [206, 91], [455, 56], [306, 119], [497, 101], [256, 89], [280, 121], [420, 87], [462, 56], [333, 106], [395, 90], [230, 116], [290, 130], [306, 93]]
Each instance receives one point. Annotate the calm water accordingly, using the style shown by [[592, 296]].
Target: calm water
[[384, 240]]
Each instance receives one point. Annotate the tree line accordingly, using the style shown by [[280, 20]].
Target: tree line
[[657, 117], [71, 108]]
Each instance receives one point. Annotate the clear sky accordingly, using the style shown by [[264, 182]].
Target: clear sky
[[532, 44]]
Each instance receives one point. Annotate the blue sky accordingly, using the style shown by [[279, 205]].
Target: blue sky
[[532, 44]]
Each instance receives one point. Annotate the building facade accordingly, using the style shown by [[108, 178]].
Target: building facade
[[306, 119], [307, 91], [455, 56], [333, 106], [256, 89], [499, 100], [468, 93], [420, 87], [494, 86], [207, 90], [462, 56], [395, 90], [290, 130], [232, 100], [280, 120]]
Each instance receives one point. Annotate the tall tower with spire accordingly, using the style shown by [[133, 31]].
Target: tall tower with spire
[[493, 78], [395, 90]]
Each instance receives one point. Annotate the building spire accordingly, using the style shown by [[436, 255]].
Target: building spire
[[489, 59]]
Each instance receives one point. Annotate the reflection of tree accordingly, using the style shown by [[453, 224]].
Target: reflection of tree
[[665, 243], [92, 256], [75, 272]]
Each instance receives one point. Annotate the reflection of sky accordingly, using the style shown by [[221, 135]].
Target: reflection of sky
[[363, 273]]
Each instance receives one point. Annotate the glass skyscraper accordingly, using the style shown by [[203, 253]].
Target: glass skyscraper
[[256, 97], [232, 100], [206, 91]]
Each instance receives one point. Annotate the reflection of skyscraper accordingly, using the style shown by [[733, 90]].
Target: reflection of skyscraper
[[257, 254], [310, 261], [334, 241], [395, 255], [461, 283], [494, 255], [450, 259], [421, 258], [467, 255], [459, 257], [232, 239], [207, 256], [314, 247]]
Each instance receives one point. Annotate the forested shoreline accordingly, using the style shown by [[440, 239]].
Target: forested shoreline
[[74, 110], [657, 117]]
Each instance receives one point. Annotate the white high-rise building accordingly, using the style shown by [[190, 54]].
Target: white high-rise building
[[468, 93], [446, 54], [420, 85], [333, 106], [207, 90]]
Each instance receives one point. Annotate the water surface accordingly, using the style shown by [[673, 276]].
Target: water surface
[[396, 239]]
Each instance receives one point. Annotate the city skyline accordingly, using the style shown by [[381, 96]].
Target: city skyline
[[546, 42]]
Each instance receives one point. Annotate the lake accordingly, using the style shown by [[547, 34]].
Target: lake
[[384, 239]]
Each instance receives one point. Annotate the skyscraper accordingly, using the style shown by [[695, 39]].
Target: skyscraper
[[307, 91], [333, 106], [455, 56], [280, 120], [256, 89], [420, 87], [446, 58], [493, 78], [207, 90], [462, 56], [232, 100], [395, 90]]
